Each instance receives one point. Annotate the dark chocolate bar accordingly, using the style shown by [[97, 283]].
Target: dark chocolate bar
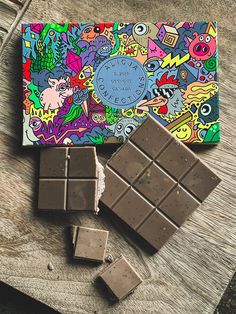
[[68, 179], [120, 278], [89, 243], [154, 182]]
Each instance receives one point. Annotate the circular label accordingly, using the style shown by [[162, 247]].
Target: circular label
[[120, 82]]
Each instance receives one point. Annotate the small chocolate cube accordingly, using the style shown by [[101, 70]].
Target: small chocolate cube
[[120, 278], [89, 243]]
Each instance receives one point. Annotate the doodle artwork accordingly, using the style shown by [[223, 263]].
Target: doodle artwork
[[88, 83]]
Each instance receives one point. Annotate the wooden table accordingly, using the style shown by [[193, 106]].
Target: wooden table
[[191, 272]]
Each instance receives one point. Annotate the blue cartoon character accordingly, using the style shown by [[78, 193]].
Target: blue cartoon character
[[123, 127], [208, 111]]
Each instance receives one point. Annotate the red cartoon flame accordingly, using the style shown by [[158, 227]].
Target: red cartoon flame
[[164, 80]]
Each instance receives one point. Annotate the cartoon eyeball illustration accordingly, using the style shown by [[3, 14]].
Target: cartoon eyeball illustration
[[205, 110], [67, 141], [119, 127], [129, 129], [152, 64], [126, 129], [35, 123], [97, 29], [98, 118], [88, 30], [208, 38], [143, 31], [140, 29]]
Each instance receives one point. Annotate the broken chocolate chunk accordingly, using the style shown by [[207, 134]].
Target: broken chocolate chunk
[[69, 179], [89, 243], [120, 278]]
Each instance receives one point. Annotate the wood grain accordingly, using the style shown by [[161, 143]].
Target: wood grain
[[191, 272]]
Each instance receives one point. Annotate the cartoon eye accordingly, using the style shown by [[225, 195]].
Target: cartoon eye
[[207, 39], [152, 66], [95, 116], [119, 127], [62, 87], [88, 30], [205, 109], [97, 29], [34, 124], [140, 29], [201, 38], [129, 129]]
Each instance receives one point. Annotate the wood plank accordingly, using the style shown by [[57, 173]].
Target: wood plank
[[191, 272]]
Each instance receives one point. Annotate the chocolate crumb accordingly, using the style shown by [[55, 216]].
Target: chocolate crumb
[[109, 258], [50, 266]]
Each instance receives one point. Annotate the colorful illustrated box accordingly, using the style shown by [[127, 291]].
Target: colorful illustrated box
[[88, 83]]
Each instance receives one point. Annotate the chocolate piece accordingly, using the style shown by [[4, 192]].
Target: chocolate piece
[[116, 185], [156, 229], [83, 163], [120, 278], [89, 243], [52, 194], [129, 153], [68, 179], [154, 182], [52, 163]]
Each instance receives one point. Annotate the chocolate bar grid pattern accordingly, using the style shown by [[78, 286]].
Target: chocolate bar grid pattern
[[63, 174], [175, 176]]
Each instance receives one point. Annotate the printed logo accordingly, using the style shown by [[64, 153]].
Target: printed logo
[[120, 82]]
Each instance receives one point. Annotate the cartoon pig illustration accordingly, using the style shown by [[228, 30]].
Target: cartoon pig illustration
[[202, 47], [54, 96]]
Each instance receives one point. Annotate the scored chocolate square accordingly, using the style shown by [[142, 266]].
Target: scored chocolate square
[[89, 243], [68, 179], [120, 278], [154, 182]]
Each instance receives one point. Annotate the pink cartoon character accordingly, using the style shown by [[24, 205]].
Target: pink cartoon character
[[53, 86], [54, 96], [202, 47]]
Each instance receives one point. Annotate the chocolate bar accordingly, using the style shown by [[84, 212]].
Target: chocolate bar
[[154, 182], [89, 243], [68, 179], [120, 278]]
